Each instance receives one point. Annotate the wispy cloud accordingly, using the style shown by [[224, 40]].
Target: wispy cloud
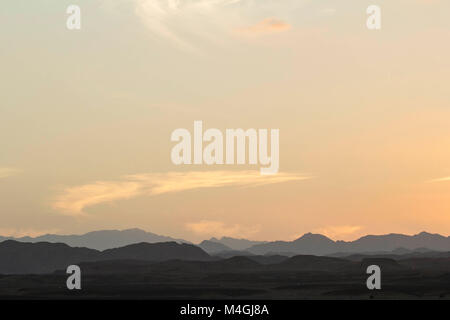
[[266, 26], [73, 200], [188, 24], [8, 172], [181, 22], [220, 229]]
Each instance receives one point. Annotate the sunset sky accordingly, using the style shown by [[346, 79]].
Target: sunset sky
[[86, 116]]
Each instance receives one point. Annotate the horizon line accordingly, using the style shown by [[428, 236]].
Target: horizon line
[[175, 239]]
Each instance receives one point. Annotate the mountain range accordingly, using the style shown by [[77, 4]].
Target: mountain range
[[308, 244], [320, 245], [44, 257], [183, 271], [312, 266], [100, 240]]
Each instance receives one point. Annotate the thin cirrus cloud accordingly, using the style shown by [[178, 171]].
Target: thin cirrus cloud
[[8, 172], [188, 24], [74, 200], [181, 22]]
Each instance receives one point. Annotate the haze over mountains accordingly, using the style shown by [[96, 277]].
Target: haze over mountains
[[314, 244]]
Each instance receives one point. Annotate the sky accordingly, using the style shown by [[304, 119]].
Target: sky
[[86, 117]]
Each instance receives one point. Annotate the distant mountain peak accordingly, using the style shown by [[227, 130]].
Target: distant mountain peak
[[427, 234], [314, 236]]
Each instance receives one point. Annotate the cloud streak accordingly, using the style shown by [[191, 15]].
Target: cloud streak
[[74, 200]]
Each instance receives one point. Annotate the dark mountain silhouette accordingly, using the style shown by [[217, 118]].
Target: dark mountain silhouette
[[275, 264], [386, 264], [316, 263], [320, 245], [44, 257], [389, 255], [237, 244], [101, 240], [231, 253], [183, 271], [231, 265], [397, 253], [235, 264], [213, 247], [265, 260], [429, 265], [24, 258], [307, 244], [156, 252]]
